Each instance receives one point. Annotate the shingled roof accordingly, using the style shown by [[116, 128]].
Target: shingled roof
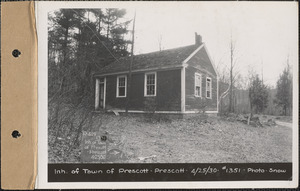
[[164, 58]]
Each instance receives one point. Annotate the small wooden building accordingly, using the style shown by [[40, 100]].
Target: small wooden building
[[180, 80]]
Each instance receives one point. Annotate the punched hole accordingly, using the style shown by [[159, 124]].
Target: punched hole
[[15, 134], [16, 53]]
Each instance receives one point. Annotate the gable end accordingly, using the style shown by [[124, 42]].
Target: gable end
[[201, 60]]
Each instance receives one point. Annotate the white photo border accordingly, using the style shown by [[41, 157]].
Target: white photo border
[[42, 8]]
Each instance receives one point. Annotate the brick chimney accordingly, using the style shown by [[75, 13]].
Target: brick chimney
[[198, 39]]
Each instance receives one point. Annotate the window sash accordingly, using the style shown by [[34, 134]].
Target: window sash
[[208, 88], [198, 85], [150, 84], [121, 86], [122, 92], [122, 82]]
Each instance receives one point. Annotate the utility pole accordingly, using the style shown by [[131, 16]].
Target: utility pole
[[130, 66]]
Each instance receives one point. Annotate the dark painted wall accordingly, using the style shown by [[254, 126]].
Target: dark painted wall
[[201, 60], [200, 64], [168, 95]]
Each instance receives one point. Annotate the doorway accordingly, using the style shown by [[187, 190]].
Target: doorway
[[100, 93]]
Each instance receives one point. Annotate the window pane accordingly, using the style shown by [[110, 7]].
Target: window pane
[[208, 87], [121, 91], [207, 93], [148, 90], [197, 80], [208, 83], [122, 81], [197, 84], [197, 91], [152, 90], [150, 79], [150, 84]]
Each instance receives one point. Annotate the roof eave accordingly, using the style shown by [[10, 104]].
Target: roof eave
[[209, 57], [139, 70], [193, 53]]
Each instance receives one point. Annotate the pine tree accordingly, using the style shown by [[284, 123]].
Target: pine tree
[[258, 94], [60, 52], [284, 95], [82, 41]]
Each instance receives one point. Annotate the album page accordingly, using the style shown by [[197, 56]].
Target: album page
[[167, 94]]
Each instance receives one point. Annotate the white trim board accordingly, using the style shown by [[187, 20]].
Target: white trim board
[[97, 93], [183, 89], [140, 70], [204, 71], [190, 56], [145, 84], [210, 89], [165, 112], [104, 99], [211, 61], [195, 86], [117, 91], [208, 112], [97, 99]]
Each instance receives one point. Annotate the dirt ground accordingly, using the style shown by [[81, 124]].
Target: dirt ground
[[160, 139]]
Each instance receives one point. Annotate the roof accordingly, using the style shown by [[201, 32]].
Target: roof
[[165, 58]]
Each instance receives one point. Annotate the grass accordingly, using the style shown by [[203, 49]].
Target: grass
[[193, 140]]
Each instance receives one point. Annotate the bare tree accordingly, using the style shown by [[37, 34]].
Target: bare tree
[[230, 76], [233, 74], [130, 66], [284, 94], [222, 70]]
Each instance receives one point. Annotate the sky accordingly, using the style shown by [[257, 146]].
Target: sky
[[265, 34]]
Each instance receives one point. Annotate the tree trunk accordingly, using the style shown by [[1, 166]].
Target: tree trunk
[[231, 77], [65, 45], [130, 68]]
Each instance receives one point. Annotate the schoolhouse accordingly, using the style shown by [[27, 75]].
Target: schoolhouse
[[180, 80]]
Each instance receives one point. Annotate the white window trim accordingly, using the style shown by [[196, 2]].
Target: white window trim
[[145, 84], [118, 85], [197, 74], [209, 89]]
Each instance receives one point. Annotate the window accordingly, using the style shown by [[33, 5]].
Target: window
[[121, 86], [208, 87], [197, 85], [150, 84]]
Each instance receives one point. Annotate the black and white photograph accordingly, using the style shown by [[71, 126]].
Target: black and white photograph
[[192, 82]]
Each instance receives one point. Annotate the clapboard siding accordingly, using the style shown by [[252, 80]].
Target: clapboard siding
[[199, 103], [169, 90], [201, 61], [167, 98]]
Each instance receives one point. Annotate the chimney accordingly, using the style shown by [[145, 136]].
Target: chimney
[[198, 39]]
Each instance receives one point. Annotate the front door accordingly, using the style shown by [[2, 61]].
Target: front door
[[100, 94]]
